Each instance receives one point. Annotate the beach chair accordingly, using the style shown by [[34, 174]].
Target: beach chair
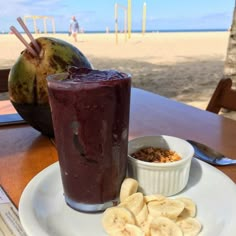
[[4, 80], [224, 97]]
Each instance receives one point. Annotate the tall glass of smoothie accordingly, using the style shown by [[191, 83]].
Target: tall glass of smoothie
[[90, 112]]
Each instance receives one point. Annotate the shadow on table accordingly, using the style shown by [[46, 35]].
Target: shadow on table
[[20, 138]]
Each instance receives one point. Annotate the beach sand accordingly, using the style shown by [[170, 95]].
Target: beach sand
[[182, 66]]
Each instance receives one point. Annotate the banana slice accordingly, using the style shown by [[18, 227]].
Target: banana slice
[[115, 218], [154, 197], [190, 226], [150, 215], [129, 186], [189, 207], [169, 208], [129, 230], [142, 215], [162, 226], [134, 203], [145, 225]]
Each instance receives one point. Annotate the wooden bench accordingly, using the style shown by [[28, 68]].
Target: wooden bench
[[4, 80]]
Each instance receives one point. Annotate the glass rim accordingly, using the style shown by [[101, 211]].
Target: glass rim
[[62, 75]]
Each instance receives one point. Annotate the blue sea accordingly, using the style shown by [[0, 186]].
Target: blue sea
[[147, 31], [159, 31]]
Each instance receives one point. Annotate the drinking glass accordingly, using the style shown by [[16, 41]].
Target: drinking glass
[[90, 113]]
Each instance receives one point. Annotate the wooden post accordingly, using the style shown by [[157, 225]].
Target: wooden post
[[45, 25], [144, 17], [129, 18], [124, 8], [53, 26], [25, 20], [44, 18], [125, 24], [116, 22], [35, 25]]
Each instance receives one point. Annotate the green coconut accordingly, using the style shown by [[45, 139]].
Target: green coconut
[[27, 79]]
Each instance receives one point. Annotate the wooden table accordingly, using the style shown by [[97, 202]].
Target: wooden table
[[24, 151]]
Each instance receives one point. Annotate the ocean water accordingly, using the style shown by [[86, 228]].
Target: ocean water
[[157, 31], [147, 31]]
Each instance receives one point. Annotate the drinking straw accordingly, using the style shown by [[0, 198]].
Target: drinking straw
[[20, 37], [21, 22]]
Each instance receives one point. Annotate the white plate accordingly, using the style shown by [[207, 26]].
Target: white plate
[[43, 211]]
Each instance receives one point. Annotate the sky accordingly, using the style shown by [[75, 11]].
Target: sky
[[99, 14]]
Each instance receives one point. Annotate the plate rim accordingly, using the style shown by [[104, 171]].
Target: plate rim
[[25, 213]]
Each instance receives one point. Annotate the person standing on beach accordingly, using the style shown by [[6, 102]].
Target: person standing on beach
[[74, 28]]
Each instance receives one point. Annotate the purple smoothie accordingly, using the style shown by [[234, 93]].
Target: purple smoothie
[[90, 111]]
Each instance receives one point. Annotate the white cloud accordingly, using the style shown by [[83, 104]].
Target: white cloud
[[29, 7], [16, 8]]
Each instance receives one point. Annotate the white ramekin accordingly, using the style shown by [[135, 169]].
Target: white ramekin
[[161, 178]]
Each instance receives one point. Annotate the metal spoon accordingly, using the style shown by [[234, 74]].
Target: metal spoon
[[209, 155]]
